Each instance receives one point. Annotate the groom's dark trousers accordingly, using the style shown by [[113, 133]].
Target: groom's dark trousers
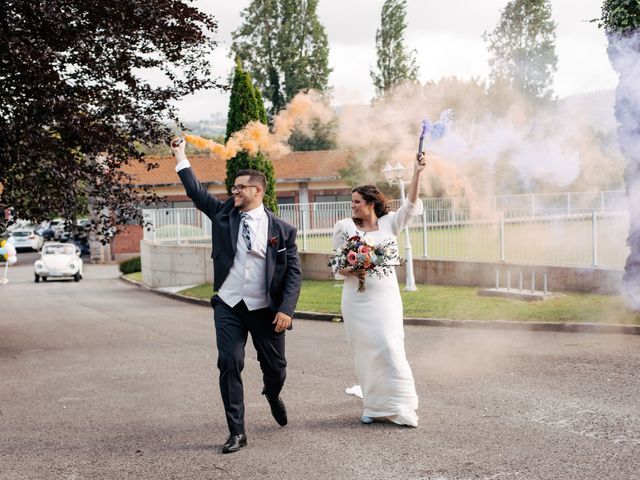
[[232, 326]]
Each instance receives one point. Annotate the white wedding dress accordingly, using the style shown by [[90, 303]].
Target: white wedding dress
[[374, 324]]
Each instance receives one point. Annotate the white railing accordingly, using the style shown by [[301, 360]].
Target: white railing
[[535, 233], [177, 225]]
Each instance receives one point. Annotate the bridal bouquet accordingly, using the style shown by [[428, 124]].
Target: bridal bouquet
[[363, 258]]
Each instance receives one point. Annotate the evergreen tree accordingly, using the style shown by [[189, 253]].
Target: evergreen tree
[[522, 47], [621, 21], [396, 64], [245, 105], [284, 46]]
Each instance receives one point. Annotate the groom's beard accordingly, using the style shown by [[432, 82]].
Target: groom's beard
[[238, 202]]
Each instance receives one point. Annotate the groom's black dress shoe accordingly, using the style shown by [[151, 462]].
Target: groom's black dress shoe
[[234, 443], [278, 410]]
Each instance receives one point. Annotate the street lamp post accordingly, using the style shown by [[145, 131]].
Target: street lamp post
[[397, 175]]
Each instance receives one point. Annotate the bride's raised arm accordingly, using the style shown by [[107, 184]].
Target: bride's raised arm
[[412, 204]]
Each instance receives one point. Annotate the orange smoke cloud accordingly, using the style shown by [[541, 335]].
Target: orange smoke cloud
[[255, 137]]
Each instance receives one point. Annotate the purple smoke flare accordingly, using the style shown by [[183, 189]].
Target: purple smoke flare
[[437, 130]]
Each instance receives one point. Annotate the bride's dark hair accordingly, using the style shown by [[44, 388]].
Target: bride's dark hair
[[371, 194]]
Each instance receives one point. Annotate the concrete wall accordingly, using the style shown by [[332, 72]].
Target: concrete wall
[[175, 265]]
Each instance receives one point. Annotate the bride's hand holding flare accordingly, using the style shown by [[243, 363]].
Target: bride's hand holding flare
[[414, 187]]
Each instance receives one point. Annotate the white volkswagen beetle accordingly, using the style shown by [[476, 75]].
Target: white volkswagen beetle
[[58, 260]]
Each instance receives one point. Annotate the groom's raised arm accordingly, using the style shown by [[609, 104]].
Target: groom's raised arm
[[201, 198]]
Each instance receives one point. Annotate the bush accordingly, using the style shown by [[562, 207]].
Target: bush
[[130, 266]]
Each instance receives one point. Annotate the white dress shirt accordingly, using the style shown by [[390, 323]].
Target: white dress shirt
[[182, 164]]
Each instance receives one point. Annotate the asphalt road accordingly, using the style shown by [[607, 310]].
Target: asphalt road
[[103, 380]]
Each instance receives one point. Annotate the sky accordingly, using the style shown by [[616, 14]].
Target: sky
[[447, 37]]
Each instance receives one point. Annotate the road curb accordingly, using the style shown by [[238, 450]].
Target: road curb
[[175, 296], [600, 328], [531, 326]]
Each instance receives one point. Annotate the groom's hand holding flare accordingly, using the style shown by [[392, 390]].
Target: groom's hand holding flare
[[177, 149]]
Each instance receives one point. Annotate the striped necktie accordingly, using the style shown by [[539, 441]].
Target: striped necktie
[[246, 234]]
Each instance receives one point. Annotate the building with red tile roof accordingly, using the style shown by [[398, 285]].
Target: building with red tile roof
[[301, 177]]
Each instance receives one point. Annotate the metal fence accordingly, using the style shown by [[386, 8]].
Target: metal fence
[[572, 229]]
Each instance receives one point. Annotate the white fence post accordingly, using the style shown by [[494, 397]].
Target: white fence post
[[305, 215], [154, 215], [503, 257], [178, 227], [594, 237], [533, 204], [425, 246]]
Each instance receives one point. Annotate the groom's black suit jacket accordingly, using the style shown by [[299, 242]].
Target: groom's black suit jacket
[[284, 277]]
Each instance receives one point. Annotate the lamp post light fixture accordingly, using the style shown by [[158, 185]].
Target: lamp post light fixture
[[396, 175]]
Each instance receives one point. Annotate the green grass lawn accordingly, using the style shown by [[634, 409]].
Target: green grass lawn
[[137, 276], [463, 303]]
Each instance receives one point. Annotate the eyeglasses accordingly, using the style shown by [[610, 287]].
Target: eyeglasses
[[239, 187]]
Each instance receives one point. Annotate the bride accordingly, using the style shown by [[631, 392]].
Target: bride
[[374, 319]]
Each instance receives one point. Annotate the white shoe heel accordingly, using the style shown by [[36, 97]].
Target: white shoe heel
[[367, 420]]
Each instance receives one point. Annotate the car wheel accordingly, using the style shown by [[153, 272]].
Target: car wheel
[[36, 278], [76, 277], [44, 279]]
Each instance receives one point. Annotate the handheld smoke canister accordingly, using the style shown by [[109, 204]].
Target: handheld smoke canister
[[426, 124], [425, 128]]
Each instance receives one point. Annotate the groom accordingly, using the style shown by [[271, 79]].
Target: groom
[[257, 279]]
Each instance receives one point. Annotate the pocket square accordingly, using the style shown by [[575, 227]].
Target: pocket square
[[282, 249]]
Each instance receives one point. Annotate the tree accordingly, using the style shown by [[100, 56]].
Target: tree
[[621, 21], [285, 48], [468, 98], [522, 49], [396, 64], [77, 103], [323, 137], [246, 105]]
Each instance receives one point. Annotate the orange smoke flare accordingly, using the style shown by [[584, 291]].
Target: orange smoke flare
[[255, 136]]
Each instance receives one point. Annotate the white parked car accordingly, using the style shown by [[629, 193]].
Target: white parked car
[[27, 238], [58, 260]]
